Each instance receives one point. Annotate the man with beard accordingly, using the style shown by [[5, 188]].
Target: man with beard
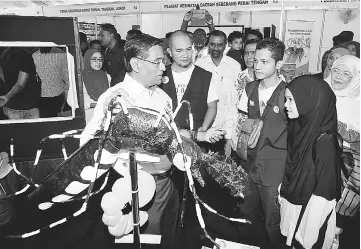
[[225, 71], [191, 83]]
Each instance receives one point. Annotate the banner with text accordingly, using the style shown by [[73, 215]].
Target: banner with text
[[31, 11], [298, 43], [220, 5], [92, 9], [333, 4]]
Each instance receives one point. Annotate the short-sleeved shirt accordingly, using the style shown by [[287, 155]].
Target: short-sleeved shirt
[[181, 81], [12, 61], [52, 69]]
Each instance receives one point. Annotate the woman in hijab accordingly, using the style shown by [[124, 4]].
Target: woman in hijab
[[354, 48], [95, 80], [311, 184], [345, 83], [335, 53]]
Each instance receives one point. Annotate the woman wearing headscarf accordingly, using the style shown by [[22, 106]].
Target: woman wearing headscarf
[[354, 48], [335, 53], [95, 80], [323, 64], [311, 183], [345, 83]]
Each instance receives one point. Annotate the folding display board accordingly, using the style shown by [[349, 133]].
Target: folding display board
[[27, 134]]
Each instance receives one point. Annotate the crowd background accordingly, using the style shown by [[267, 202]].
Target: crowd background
[[226, 66]]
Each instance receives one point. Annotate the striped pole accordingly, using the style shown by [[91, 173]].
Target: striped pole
[[133, 169]]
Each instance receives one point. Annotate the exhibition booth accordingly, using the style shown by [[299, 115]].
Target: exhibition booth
[[305, 25]]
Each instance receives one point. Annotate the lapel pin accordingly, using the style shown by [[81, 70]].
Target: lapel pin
[[276, 109], [251, 103], [165, 80]]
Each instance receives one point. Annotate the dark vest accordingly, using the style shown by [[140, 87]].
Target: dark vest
[[196, 94], [268, 158]]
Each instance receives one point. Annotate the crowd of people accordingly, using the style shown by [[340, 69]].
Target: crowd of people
[[298, 140], [291, 178]]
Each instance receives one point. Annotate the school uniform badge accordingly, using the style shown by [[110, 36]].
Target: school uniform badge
[[276, 109], [165, 80], [168, 106]]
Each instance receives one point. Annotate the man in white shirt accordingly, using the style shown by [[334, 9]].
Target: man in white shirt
[[190, 83], [145, 65], [225, 70]]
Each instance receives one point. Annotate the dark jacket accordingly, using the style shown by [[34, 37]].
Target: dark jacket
[[196, 93], [114, 64], [268, 158]]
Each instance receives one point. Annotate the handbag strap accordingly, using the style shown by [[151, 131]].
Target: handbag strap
[[319, 136]]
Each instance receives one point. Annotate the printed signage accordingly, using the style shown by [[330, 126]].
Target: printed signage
[[220, 5], [30, 11], [92, 9]]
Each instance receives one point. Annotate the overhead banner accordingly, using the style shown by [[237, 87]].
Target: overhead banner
[[220, 5], [298, 37], [91, 9], [30, 11], [322, 4]]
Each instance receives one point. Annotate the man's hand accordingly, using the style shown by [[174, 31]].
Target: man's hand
[[208, 19], [202, 129], [120, 92], [3, 100], [185, 133], [228, 147], [213, 136], [187, 17]]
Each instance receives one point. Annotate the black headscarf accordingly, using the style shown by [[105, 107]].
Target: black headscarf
[[357, 46], [95, 81], [316, 105]]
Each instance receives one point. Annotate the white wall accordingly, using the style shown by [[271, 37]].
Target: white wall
[[123, 23], [334, 26]]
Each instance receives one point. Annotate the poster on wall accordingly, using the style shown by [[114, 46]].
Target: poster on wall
[[298, 35], [90, 30]]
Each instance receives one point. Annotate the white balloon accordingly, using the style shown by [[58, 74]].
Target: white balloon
[[146, 186], [112, 203], [125, 225], [112, 220]]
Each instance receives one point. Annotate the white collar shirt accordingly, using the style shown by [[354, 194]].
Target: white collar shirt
[[154, 98], [226, 76]]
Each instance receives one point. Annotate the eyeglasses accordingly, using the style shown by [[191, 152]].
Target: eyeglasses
[[97, 60], [342, 74], [158, 63]]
